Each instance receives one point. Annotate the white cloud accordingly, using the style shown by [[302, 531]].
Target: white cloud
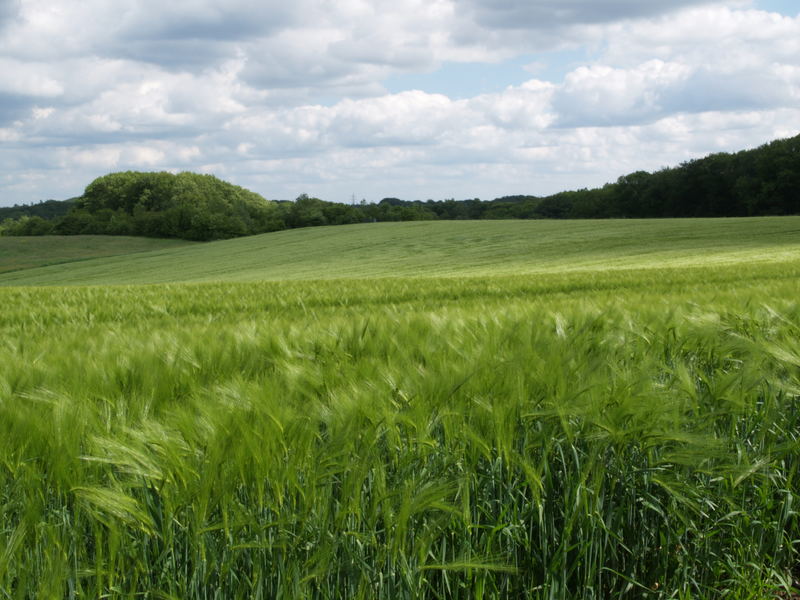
[[286, 97], [725, 38], [29, 79], [603, 95]]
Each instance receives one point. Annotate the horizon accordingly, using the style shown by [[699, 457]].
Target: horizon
[[436, 100]]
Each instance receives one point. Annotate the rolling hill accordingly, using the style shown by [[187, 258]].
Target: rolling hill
[[18, 253], [422, 249]]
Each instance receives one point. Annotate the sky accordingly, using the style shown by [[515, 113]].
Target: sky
[[366, 99]]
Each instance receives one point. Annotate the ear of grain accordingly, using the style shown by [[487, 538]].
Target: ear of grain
[[617, 434]]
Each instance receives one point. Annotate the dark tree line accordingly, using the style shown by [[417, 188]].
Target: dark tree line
[[47, 209], [764, 181]]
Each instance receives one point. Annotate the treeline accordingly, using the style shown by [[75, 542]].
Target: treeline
[[764, 181], [47, 209]]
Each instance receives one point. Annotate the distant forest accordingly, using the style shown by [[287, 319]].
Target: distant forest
[[763, 181]]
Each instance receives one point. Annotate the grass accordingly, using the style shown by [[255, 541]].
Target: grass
[[446, 248], [18, 253], [571, 432]]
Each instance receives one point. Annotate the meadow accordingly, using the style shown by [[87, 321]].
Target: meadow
[[530, 420]]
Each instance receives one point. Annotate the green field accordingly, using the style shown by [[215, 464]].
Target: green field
[[547, 410], [17, 253], [442, 248]]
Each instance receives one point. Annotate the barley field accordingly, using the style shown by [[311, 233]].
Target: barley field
[[577, 428], [21, 253], [434, 249]]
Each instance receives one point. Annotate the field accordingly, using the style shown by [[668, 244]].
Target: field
[[441, 249], [567, 410], [18, 253]]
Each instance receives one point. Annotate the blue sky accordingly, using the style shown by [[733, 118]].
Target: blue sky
[[375, 98], [464, 80], [784, 7]]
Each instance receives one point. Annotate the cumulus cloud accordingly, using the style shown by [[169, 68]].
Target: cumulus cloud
[[603, 95], [29, 79], [289, 97]]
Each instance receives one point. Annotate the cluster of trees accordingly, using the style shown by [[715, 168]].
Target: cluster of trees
[[47, 209], [186, 205], [764, 181], [33, 219]]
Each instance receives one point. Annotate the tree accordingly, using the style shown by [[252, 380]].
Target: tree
[[307, 212]]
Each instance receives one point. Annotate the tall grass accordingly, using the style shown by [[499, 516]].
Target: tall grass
[[606, 435]]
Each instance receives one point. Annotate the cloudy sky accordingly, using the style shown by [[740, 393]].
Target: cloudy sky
[[374, 98]]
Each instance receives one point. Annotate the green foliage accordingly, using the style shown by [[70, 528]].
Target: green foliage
[[47, 209], [26, 226], [580, 434], [186, 205]]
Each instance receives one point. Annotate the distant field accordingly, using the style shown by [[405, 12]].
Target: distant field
[[17, 253], [445, 248], [554, 411]]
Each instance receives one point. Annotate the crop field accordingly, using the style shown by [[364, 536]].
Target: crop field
[[439, 249], [18, 253], [572, 411]]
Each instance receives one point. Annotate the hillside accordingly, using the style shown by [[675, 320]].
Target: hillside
[[18, 253], [438, 248]]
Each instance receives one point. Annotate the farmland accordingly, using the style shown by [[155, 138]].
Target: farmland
[[436, 249], [18, 253], [426, 410]]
